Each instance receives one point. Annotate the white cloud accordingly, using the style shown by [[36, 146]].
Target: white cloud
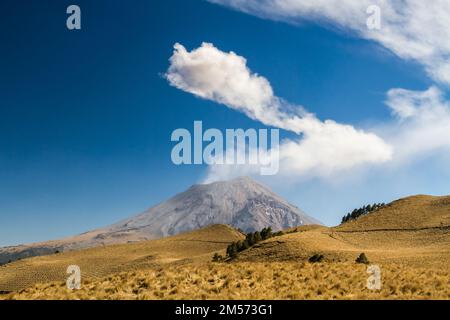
[[324, 147], [331, 148], [411, 29], [420, 129], [424, 127], [409, 104], [222, 77]]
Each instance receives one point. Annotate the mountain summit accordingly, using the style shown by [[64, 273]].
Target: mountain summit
[[242, 203]]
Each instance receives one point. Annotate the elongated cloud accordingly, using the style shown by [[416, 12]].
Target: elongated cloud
[[411, 29], [224, 78], [324, 147]]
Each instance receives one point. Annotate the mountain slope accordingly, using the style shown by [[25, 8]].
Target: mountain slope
[[414, 231], [411, 213], [406, 239], [241, 203], [191, 247]]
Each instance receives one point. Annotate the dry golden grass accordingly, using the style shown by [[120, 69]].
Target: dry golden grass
[[275, 280], [417, 212], [409, 240], [193, 247], [421, 248], [414, 231]]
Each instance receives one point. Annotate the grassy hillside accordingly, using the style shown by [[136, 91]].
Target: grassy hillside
[[412, 213], [423, 248], [192, 247], [412, 231], [408, 239]]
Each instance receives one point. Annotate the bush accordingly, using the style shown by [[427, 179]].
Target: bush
[[217, 257], [362, 259], [316, 258]]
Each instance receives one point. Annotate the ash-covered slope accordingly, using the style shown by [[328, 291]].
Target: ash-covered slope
[[241, 203]]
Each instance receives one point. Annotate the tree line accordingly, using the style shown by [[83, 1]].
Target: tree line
[[250, 240], [355, 214]]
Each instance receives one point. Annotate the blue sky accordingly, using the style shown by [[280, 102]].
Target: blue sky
[[86, 116]]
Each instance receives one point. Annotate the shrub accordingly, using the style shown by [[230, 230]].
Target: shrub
[[362, 259], [316, 258], [217, 257]]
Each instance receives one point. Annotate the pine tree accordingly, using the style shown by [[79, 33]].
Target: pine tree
[[232, 250], [257, 237], [250, 239], [266, 233]]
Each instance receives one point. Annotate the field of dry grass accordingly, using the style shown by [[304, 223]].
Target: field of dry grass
[[95, 263], [409, 240], [420, 248], [275, 280], [414, 231]]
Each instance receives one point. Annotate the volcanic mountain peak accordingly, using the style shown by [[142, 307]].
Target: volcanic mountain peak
[[242, 203]]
